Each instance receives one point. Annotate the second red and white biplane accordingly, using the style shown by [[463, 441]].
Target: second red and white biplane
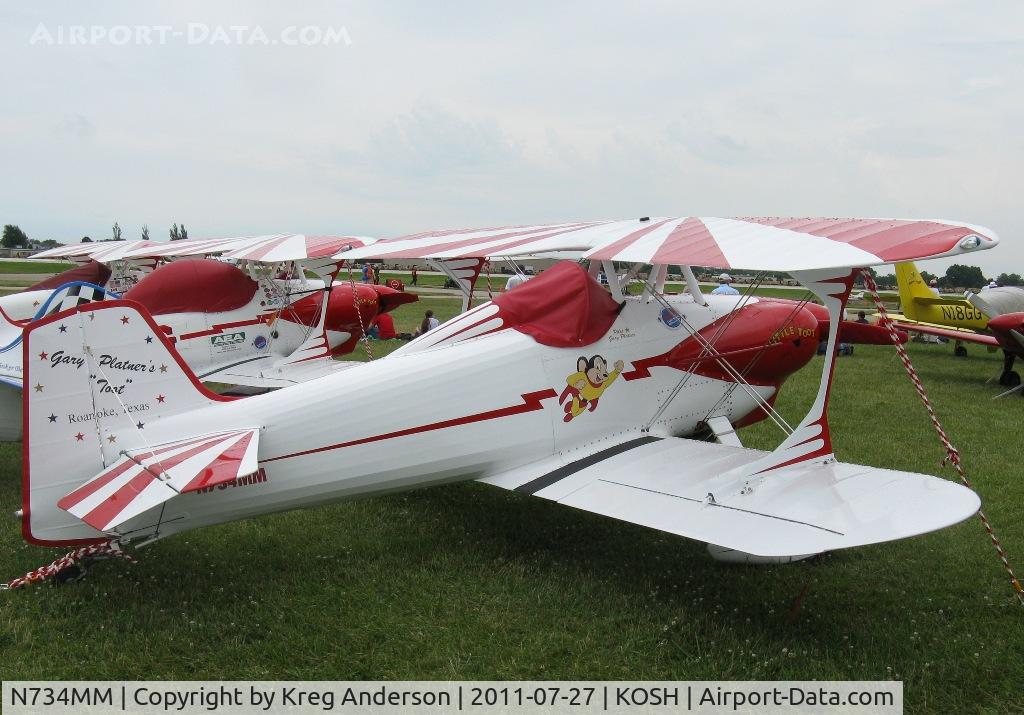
[[267, 315]]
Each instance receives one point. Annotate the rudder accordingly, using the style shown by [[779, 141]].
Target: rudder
[[911, 286]]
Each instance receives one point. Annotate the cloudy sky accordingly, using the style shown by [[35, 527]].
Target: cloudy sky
[[438, 115]]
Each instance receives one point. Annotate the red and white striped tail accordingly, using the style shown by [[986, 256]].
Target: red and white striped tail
[[145, 478]]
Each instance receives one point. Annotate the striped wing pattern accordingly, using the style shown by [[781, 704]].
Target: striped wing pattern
[[783, 244], [144, 478], [273, 248], [486, 242], [295, 247], [102, 251], [191, 247]]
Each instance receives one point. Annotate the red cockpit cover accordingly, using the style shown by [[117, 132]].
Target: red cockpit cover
[[193, 286], [91, 272], [563, 307]]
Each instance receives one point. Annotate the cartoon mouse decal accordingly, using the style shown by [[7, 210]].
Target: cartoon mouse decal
[[586, 385]]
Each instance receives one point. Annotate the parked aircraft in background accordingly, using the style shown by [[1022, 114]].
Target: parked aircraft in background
[[994, 317], [261, 324]]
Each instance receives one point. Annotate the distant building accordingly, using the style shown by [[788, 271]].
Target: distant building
[[18, 252]]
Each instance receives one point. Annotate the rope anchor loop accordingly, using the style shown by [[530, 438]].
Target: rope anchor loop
[[73, 558]]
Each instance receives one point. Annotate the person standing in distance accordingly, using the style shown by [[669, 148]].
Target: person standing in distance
[[723, 286]]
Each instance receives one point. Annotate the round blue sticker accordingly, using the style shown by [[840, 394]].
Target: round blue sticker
[[670, 318], [260, 342]]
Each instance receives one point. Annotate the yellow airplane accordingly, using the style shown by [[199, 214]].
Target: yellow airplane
[[922, 304], [994, 317]]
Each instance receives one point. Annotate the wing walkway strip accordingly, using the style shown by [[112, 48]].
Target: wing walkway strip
[[535, 485]]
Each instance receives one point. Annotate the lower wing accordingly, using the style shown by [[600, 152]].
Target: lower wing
[[968, 336], [691, 488]]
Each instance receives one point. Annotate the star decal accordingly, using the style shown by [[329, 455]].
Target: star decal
[[39, 387], [160, 398], [43, 355], [149, 339], [140, 425], [163, 368], [124, 320], [79, 437], [111, 439], [53, 418], [63, 328]]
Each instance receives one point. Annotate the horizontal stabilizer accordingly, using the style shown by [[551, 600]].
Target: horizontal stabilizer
[[147, 477], [939, 301], [687, 487]]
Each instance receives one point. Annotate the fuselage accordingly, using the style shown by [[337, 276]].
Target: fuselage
[[477, 397]]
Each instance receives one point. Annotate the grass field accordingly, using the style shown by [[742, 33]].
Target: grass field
[[468, 581], [40, 267]]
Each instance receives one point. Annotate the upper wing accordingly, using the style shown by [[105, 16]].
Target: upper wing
[[777, 244], [272, 248], [100, 251], [268, 249], [688, 488], [492, 242], [296, 247]]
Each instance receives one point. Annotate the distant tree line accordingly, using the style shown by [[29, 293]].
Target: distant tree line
[[14, 237]]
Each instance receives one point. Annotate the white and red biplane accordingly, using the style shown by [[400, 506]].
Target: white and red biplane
[[259, 322], [558, 388]]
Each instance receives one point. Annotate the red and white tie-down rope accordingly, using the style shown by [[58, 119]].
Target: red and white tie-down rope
[[364, 329], [952, 454], [107, 548]]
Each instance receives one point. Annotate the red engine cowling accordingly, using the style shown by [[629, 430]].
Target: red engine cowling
[[765, 341], [1007, 322], [343, 316], [851, 331]]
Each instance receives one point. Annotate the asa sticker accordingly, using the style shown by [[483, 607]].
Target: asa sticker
[[227, 341]]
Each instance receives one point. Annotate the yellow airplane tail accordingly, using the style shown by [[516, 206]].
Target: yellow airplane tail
[[911, 285]]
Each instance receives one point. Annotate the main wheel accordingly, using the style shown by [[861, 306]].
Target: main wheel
[[960, 351], [1009, 379], [70, 574]]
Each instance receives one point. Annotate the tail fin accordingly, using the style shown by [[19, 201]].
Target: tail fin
[[98, 380], [911, 287]]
